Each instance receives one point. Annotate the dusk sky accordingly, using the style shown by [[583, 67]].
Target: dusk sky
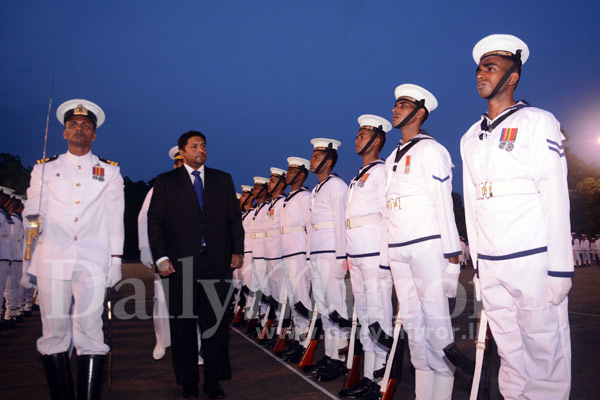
[[261, 78]]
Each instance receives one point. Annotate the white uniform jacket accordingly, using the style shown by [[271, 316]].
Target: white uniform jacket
[[6, 250], [81, 215], [247, 225], [295, 222], [366, 200], [259, 215], [516, 197], [18, 235], [273, 229], [328, 212], [423, 176]]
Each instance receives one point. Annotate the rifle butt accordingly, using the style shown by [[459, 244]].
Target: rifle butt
[[309, 353], [353, 375]]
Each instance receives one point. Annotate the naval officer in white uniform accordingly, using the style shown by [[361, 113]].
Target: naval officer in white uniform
[[79, 249]]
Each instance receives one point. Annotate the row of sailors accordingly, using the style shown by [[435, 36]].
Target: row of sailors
[[393, 227], [584, 250], [18, 300]]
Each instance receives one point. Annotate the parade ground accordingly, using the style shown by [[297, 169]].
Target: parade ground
[[257, 374]]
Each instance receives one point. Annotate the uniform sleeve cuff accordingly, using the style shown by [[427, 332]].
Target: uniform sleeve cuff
[[455, 254], [561, 274]]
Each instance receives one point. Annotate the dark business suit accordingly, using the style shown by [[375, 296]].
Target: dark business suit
[[176, 228]]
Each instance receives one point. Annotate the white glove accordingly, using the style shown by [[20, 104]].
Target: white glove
[[450, 283], [114, 272], [557, 289], [146, 257], [26, 281], [340, 268], [477, 287], [385, 274]]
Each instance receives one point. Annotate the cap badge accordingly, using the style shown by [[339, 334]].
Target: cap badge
[[80, 110], [98, 173], [507, 139]]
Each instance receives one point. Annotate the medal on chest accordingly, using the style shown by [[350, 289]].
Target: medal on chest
[[98, 173], [507, 139], [272, 213], [361, 182], [407, 165]]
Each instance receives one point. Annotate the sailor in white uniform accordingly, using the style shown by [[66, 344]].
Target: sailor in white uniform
[[517, 214], [6, 256], [328, 253], [585, 250], [13, 291], [259, 280], [245, 272], [295, 223], [79, 249], [423, 241], [273, 254], [367, 249], [576, 245]]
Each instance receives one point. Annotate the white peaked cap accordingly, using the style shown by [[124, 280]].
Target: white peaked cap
[[277, 171], [173, 152], [80, 107], [260, 180], [297, 162], [375, 122], [417, 93], [503, 45], [323, 143], [246, 188]]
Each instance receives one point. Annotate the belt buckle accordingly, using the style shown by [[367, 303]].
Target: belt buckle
[[315, 226], [486, 190], [281, 230], [395, 204], [348, 223]]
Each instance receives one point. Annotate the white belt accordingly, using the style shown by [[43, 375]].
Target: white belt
[[364, 220], [248, 235], [292, 229], [273, 232], [323, 225], [398, 203], [257, 235], [487, 190]]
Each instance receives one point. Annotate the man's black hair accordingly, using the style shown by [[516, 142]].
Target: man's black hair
[[183, 139]]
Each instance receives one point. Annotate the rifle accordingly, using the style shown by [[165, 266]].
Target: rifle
[[355, 351], [312, 338], [393, 370]]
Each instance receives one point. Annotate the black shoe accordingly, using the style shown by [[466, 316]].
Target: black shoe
[[27, 314], [10, 323], [358, 390], [58, 373], [295, 356], [215, 391], [20, 318], [331, 371], [269, 342], [374, 393], [90, 368], [315, 368], [289, 349], [189, 391]]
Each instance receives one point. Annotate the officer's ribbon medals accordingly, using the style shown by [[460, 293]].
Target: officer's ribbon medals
[[98, 173], [407, 165], [272, 213], [507, 138], [362, 180]]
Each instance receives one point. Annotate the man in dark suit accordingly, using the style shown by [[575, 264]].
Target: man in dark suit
[[196, 238]]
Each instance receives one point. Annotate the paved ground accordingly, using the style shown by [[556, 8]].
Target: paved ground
[[256, 374]]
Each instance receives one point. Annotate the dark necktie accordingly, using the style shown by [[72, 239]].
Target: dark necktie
[[199, 188]]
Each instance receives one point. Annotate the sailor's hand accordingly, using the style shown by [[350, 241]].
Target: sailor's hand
[[114, 272], [557, 289], [477, 287], [146, 257], [450, 282]]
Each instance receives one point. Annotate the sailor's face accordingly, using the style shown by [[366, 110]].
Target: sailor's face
[[402, 108], [362, 138], [489, 72], [291, 174], [243, 198], [273, 180], [194, 152], [316, 159], [79, 131]]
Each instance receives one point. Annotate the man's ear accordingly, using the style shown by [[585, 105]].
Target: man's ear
[[420, 114], [513, 79]]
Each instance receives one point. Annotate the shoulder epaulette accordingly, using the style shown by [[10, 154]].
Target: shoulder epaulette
[[104, 160], [46, 160]]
